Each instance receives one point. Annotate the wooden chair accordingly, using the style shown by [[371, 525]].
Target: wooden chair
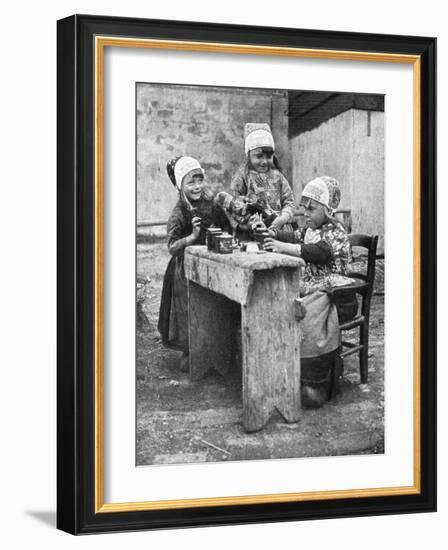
[[364, 288]]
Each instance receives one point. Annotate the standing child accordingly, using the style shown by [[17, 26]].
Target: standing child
[[193, 213], [323, 244], [259, 186]]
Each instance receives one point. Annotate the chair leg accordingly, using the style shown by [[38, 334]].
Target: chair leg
[[364, 353], [336, 373]]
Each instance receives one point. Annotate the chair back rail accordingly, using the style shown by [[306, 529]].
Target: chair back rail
[[361, 320], [370, 243]]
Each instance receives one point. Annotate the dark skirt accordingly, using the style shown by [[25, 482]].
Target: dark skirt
[[173, 313]]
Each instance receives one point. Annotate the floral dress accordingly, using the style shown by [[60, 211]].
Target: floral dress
[[332, 273], [271, 191]]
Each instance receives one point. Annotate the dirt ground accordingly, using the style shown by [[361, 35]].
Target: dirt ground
[[180, 421]]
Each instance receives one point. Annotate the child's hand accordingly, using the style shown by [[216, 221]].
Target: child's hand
[[283, 248], [196, 222], [257, 225], [272, 245]]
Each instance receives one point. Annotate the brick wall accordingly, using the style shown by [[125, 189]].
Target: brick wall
[[204, 122]]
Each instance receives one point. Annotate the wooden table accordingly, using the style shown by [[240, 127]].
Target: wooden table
[[265, 286]]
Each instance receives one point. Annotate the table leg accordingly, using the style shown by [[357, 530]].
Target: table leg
[[210, 330], [271, 349]]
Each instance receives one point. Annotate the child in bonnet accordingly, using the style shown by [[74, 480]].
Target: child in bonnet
[[193, 213], [258, 186], [324, 246]]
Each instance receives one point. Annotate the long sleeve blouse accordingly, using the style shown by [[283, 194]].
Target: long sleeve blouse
[[180, 226], [271, 187], [326, 251]]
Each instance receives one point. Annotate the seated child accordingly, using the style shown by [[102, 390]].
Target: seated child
[[259, 187], [323, 244], [193, 213]]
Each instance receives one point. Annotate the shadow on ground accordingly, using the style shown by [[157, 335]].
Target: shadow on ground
[[180, 421], [48, 517]]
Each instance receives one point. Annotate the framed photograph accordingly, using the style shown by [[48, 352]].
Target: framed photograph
[[246, 274]]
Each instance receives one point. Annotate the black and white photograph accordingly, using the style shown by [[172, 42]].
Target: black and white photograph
[[259, 273]]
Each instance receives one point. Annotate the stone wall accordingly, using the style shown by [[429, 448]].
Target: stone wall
[[204, 122]]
